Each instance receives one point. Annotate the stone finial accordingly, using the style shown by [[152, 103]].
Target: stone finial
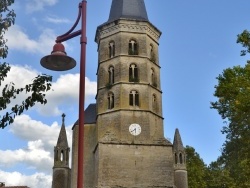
[[63, 118]]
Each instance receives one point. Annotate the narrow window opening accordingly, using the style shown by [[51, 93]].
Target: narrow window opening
[[133, 73], [132, 48], [134, 98], [154, 104], [111, 49], [111, 75], [176, 158], [181, 159], [152, 53], [56, 155], [131, 99], [153, 78], [110, 101], [61, 156]]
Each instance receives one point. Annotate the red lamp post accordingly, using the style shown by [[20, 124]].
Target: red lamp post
[[59, 61]]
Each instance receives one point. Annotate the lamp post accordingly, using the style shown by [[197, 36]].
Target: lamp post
[[59, 61]]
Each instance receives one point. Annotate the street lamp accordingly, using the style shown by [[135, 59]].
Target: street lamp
[[59, 61]]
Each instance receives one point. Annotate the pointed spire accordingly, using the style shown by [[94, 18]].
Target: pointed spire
[[130, 9], [178, 146], [62, 139]]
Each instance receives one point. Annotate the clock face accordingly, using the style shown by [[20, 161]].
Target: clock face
[[135, 129]]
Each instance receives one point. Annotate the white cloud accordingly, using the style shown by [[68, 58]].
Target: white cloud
[[56, 20], [21, 75], [65, 90], [37, 5], [41, 139], [34, 156], [24, 125], [15, 178], [42, 45]]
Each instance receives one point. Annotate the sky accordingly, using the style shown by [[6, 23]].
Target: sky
[[198, 42]]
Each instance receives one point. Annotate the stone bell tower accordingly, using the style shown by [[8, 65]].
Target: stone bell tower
[[131, 149], [61, 170], [124, 144]]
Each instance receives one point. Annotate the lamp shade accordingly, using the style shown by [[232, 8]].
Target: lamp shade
[[58, 60]]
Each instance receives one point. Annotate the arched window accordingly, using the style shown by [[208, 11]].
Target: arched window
[[111, 75], [180, 157], [152, 53], [111, 100], [111, 49], [133, 73], [62, 155], [132, 48], [175, 158], [56, 156], [134, 98], [153, 78], [154, 102]]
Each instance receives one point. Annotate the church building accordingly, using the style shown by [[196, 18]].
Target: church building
[[124, 143]]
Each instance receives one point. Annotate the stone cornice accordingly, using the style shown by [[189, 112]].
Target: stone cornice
[[128, 26]]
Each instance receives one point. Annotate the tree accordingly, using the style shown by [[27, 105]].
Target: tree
[[218, 176], [244, 40], [35, 90], [196, 169], [233, 104]]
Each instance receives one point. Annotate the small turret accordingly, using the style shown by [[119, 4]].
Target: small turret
[[61, 170], [179, 162], [61, 150]]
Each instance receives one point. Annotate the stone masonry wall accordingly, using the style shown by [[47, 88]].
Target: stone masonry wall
[[134, 166]]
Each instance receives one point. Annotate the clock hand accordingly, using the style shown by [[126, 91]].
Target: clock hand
[[133, 130]]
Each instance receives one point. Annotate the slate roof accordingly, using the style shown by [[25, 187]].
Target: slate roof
[[178, 146], [130, 9], [62, 139], [89, 115]]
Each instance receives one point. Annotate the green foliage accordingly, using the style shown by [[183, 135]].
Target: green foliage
[[233, 104], [244, 39], [218, 176], [7, 18], [35, 91], [196, 169]]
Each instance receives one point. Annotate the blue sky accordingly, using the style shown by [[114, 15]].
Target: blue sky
[[198, 41]]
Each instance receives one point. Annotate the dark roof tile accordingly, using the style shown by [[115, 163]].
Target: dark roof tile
[[128, 9], [89, 115]]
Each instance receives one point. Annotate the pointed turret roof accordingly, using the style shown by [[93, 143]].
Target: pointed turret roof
[[62, 139], [128, 9], [178, 146]]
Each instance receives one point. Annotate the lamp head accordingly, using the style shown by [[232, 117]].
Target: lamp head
[[58, 60]]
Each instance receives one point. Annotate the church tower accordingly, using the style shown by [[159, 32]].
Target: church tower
[[180, 169], [131, 148], [61, 170], [124, 144]]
